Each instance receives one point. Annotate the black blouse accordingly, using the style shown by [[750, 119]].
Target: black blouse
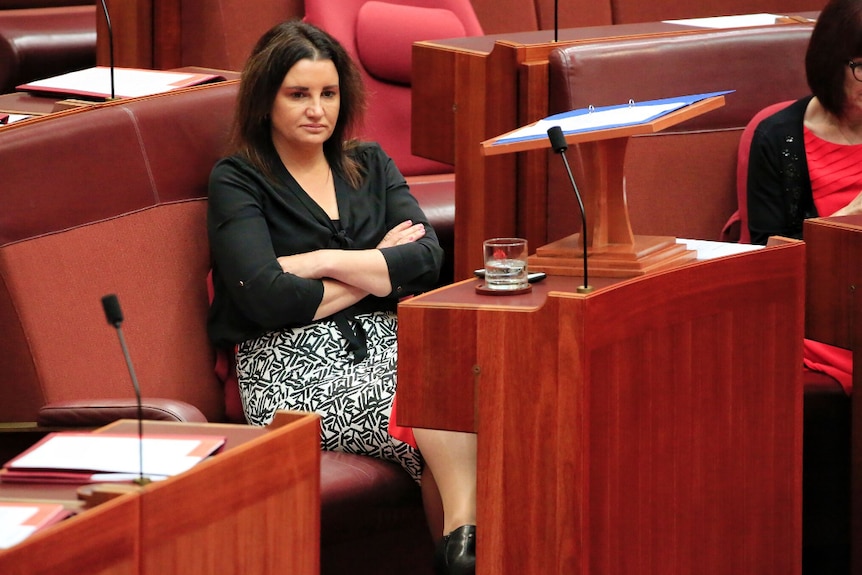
[[252, 221]]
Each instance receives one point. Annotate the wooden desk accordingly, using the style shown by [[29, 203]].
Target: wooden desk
[[24, 103], [652, 426], [253, 509], [834, 316], [477, 88]]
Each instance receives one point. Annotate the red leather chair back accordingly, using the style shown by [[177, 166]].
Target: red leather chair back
[[379, 37]]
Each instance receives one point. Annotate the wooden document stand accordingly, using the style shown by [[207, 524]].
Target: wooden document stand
[[653, 426], [612, 250]]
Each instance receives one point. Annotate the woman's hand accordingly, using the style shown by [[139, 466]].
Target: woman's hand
[[853, 208], [403, 233]]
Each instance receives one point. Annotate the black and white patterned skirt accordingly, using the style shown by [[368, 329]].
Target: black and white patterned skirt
[[310, 369]]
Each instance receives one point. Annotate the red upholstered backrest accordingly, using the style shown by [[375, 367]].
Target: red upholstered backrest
[[156, 261], [386, 31], [391, 60], [680, 181], [82, 167], [109, 200]]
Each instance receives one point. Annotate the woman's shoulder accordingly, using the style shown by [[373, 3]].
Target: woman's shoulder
[[366, 152], [232, 163], [787, 118], [235, 168]]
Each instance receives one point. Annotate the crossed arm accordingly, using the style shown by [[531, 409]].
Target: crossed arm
[[350, 275]]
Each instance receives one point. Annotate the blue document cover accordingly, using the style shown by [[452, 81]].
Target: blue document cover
[[606, 117]]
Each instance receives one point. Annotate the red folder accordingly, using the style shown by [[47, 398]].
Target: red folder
[[73, 457], [19, 519]]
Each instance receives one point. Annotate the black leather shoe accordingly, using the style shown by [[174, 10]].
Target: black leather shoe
[[456, 552]]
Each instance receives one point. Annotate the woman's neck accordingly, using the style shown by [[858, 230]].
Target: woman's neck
[[845, 129], [311, 171]]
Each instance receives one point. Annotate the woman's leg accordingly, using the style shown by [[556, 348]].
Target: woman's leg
[[451, 458], [432, 503]]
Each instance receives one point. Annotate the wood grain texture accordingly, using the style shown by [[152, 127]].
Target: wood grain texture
[[833, 315], [651, 427], [102, 541], [252, 509]]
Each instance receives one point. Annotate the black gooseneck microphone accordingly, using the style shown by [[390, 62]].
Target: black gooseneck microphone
[[114, 315], [113, 91], [559, 144]]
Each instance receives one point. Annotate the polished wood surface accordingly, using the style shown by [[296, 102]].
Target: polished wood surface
[[478, 88], [133, 28], [166, 34], [834, 276], [252, 509], [103, 541], [653, 426], [834, 316]]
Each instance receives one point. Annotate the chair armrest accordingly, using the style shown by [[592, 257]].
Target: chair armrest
[[98, 412]]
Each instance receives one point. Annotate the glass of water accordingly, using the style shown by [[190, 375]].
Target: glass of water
[[506, 264]]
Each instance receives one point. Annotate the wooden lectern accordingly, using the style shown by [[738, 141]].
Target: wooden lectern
[[652, 426], [612, 250], [833, 315], [253, 509]]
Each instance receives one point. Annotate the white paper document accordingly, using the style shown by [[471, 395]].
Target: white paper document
[[128, 82], [707, 250], [101, 454], [720, 22], [594, 120], [13, 524], [20, 520]]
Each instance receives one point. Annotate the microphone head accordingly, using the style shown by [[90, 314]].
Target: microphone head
[[113, 313], [558, 140]]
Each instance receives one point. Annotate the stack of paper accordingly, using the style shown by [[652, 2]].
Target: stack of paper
[[19, 520], [128, 82], [95, 457]]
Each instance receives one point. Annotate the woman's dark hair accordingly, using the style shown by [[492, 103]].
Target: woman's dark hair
[[836, 39], [272, 57]]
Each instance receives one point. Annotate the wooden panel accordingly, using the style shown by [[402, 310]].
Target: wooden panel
[[833, 315], [103, 541], [653, 426], [834, 277], [132, 24], [532, 167], [433, 116], [167, 35], [254, 509]]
